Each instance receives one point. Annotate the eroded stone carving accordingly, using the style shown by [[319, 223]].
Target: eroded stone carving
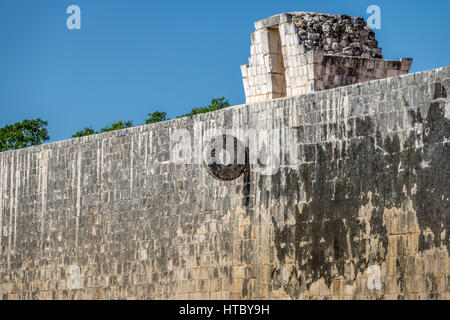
[[225, 157], [303, 52]]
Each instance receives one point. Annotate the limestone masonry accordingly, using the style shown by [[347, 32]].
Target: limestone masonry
[[357, 206], [302, 52]]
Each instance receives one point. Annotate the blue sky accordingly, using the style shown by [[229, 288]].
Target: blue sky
[[133, 57]]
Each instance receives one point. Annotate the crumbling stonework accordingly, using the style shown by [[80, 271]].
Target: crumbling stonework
[[358, 208], [336, 35], [299, 53]]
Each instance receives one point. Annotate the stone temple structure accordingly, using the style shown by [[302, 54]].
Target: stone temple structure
[[302, 52], [342, 193]]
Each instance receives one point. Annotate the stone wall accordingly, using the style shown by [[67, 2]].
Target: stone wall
[[357, 206], [286, 48], [329, 71]]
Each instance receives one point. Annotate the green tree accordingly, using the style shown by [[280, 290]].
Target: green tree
[[88, 131], [216, 104], [23, 134], [156, 116], [198, 110], [119, 125]]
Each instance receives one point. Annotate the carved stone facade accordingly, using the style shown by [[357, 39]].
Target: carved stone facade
[[299, 53]]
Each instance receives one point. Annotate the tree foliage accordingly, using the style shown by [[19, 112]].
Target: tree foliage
[[119, 125], [23, 134], [34, 132], [156, 116], [216, 104], [88, 131]]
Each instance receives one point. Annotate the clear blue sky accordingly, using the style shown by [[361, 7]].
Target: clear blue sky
[[132, 57]]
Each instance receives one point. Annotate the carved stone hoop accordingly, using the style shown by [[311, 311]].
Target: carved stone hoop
[[215, 150]]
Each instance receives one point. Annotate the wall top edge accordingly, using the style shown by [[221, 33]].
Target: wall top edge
[[192, 119], [287, 17]]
